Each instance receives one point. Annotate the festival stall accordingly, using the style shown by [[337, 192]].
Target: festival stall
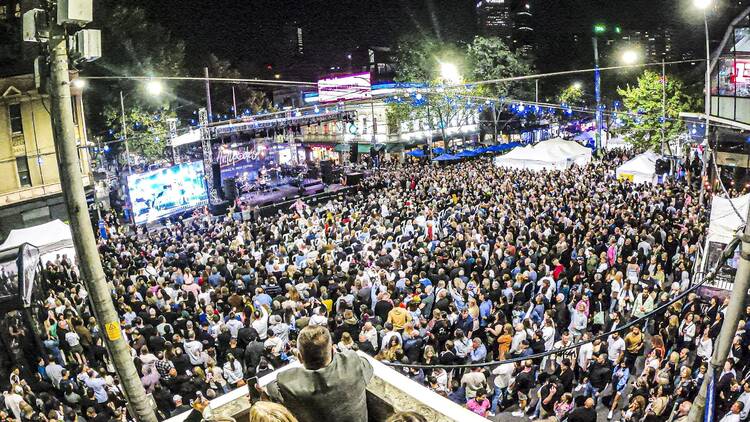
[[554, 154], [639, 169], [50, 238], [726, 221]]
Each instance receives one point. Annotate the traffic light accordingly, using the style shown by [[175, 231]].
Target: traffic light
[[600, 28]]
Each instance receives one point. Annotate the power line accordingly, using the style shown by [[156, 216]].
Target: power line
[[246, 81]]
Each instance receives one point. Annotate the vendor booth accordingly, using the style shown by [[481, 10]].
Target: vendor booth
[[639, 169], [554, 154], [725, 223], [50, 239]]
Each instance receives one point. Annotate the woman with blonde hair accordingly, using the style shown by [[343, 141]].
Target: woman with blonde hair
[[266, 411]]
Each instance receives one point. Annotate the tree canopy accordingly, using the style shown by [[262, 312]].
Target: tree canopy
[[643, 105]]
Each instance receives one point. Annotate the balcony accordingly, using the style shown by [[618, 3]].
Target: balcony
[[34, 192], [387, 393]]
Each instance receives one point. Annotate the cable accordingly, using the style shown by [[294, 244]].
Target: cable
[[726, 254], [246, 81]]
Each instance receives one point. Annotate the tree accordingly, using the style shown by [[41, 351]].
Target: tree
[[147, 132], [248, 97], [643, 105], [572, 96], [489, 59], [133, 45], [443, 104]]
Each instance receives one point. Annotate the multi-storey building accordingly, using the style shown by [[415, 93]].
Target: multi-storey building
[[30, 190], [510, 20]]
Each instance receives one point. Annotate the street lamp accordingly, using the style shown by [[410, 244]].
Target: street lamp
[[629, 57], [704, 5], [79, 83], [449, 72], [577, 85], [154, 88]]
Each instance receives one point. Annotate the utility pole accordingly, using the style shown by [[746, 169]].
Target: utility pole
[[598, 93], [663, 103], [536, 91], [208, 95], [125, 131], [729, 328], [707, 110], [80, 224]]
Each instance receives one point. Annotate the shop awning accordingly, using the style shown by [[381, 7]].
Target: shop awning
[[361, 148]]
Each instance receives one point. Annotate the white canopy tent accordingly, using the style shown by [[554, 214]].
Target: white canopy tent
[[554, 154], [724, 221], [639, 169], [51, 238]]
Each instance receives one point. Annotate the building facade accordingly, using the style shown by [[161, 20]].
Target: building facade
[[30, 190]]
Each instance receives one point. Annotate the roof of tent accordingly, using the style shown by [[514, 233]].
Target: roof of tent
[[47, 237], [724, 220], [554, 153], [644, 163]]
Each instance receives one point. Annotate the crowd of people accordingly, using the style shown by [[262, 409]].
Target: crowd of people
[[428, 266]]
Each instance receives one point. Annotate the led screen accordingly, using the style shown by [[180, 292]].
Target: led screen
[[351, 87], [168, 191]]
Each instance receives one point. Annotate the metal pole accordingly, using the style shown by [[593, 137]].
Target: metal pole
[[208, 95], [125, 132], [536, 96], [729, 328], [74, 194], [707, 111], [663, 103], [494, 121], [234, 102], [598, 94]]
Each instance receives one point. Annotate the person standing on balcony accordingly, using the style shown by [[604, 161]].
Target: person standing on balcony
[[331, 384]]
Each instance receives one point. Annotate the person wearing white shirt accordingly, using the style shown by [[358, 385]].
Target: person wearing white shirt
[[503, 374], [734, 412], [615, 347], [585, 352], [745, 399], [193, 349], [232, 370]]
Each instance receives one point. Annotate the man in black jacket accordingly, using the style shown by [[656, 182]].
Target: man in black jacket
[[585, 413], [599, 376], [253, 352]]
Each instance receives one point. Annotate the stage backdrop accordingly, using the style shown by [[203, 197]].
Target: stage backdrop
[[168, 191], [244, 161]]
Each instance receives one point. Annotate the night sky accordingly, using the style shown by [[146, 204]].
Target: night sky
[[241, 30]]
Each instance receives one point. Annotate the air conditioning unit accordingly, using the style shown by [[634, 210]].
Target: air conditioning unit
[[35, 26], [74, 12], [87, 45]]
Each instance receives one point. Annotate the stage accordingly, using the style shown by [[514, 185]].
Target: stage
[[286, 192]]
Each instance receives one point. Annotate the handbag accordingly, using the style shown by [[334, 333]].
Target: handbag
[[599, 318]]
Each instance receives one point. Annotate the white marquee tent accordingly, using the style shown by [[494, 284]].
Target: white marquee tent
[[51, 238], [554, 154], [724, 221], [639, 169]]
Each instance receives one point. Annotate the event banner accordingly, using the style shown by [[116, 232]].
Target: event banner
[[167, 191]]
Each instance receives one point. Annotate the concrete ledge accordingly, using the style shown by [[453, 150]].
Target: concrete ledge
[[388, 392]]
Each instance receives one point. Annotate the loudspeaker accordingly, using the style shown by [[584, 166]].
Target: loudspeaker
[[326, 172], [230, 189], [353, 152], [216, 171]]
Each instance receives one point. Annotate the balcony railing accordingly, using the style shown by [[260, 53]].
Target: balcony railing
[[388, 392], [34, 192]]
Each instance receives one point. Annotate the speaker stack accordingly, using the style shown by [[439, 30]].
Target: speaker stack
[[353, 152], [326, 172], [230, 189]]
